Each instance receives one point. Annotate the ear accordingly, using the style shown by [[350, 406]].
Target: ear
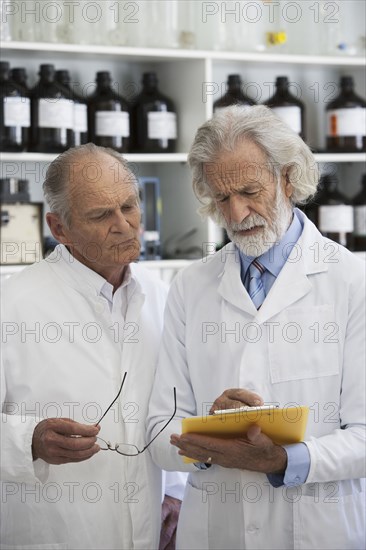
[[57, 227], [288, 188]]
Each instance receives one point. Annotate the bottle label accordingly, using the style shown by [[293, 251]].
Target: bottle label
[[336, 218], [360, 220], [17, 111], [56, 113], [112, 123], [80, 118], [161, 125], [291, 115], [346, 122]]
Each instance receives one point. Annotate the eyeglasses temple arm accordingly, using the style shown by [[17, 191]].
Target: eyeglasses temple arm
[[166, 424], [114, 400]]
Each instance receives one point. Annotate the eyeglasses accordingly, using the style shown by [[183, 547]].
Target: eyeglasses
[[127, 449]]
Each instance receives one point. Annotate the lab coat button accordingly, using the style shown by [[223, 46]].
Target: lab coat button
[[252, 529]]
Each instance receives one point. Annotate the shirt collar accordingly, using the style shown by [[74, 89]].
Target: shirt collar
[[91, 278], [275, 258]]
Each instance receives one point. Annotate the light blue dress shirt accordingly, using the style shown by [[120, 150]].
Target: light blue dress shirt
[[298, 457]]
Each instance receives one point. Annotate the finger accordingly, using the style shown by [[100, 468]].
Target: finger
[[66, 426], [237, 397], [53, 439], [253, 433], [77, 455]]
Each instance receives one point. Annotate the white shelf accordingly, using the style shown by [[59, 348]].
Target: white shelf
[[170, 157], [131, 157], [160, 54]]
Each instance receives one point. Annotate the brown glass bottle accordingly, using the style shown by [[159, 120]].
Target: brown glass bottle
[[346, 120], [335, 214], [14, 113], [359, 213], [52, 114], [234, 94], [287, 107], [80, 126], [108, 116], [154, 119]]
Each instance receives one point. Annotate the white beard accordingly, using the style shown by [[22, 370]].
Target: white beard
[[270, 233]]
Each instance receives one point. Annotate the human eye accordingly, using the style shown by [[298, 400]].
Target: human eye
[[221, 199], [100, 216]]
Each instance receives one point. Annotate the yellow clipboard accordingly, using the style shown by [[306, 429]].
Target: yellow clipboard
[[284, 426]]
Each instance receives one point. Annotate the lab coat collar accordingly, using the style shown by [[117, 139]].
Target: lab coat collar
[[82, 278]]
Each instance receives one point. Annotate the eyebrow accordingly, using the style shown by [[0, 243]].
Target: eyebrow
[[109, 208]]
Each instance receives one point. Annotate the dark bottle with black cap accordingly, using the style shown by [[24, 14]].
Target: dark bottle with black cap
[[80, 126], [108, 116], [346, 120], [52, 114], [19, 75], [359, 213], [14, 113], [335, 213], [234, 94], [287, 107], [154, 119]]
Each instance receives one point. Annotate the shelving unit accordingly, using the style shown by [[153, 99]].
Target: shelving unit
[[194, 79]]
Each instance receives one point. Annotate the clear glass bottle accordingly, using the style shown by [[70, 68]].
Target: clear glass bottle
[[6, 31], [359, 212], [234, 94], [335, 212], [154, 119], [187, 33], [26, 21], [15, 113], [157, 25], [52, 114], [346, 120], [277, 26], [108, 116], [286, 106]]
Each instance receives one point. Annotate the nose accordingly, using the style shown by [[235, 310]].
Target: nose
[[120, 223], [238, 208]]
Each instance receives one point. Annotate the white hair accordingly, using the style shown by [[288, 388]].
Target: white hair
[[283, 148]]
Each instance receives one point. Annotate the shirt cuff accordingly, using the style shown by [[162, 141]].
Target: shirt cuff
[[298, 466]]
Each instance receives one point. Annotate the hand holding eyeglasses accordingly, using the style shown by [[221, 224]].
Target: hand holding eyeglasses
[[62, 440]]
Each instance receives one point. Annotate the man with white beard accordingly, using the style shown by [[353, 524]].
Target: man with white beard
[[276, 317]]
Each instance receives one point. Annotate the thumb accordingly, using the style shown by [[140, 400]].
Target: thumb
[[253, 433]]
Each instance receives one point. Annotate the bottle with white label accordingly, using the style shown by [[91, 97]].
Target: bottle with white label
[[154, 119], [52, 114], [346, 120], [19, 75], [287, 107], [108, 116], [15, 113], [359, 213], [335, 214], [80, 127]]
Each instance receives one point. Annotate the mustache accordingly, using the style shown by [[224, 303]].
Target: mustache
[[254, 221]]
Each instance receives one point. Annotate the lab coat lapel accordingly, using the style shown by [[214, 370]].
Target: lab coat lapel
[[231, 287]]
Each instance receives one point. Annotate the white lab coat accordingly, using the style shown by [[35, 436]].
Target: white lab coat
[[304, 346], [71, 366]]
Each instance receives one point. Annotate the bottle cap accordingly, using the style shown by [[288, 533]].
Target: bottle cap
[[346, 81], [149, 79], [329, 182], [4, 66], [234, 79], [19, 73], [103, 76], [46, 69], [63, 76], [282, 81]]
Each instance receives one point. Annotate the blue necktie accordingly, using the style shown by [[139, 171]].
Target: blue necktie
[[256, 288]]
